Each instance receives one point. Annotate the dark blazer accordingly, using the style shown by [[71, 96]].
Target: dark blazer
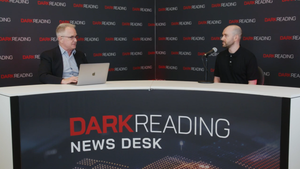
[[51, 65]]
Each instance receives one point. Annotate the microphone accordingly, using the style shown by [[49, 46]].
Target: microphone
[[213, 50]]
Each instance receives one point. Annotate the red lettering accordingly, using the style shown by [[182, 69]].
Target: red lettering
[[111, 69], [215, 38], [174, 53], [5, 38], [78, 5], [125, 24], [80, 39], [202, 22], [201, 53], [109, 7], [161, 9], [249, 2], [26, 20], [136, 68], [151, 53], [286, 37], [151, 24], [42, 2], [215, 5], [136, 9], [45, 39], [97, 54], [186, 68], [268, 55], [161, 67], [112, 125], [174, 23], [187, 38], [187, 7], [62, 21], [161, 38], [109, 39], [72, 128], [124, 123], [270, 19], [96, 126], [28, 56], [136, 39], [234, 21], [7, 76], [248, 38], [125, 53], [97, 23], [212, 70], [284, 74]]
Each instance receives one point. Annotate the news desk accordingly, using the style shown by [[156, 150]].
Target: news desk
[[149, 125]]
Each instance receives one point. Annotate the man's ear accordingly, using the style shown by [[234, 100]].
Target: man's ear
[[236, 37], [59, 38]]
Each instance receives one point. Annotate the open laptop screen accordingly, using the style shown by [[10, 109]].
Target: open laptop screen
[[93, 73]]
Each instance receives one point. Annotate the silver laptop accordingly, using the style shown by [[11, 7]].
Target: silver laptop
[[93, 73]]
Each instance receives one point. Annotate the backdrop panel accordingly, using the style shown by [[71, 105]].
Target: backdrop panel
[[188, 29], [109, 31]]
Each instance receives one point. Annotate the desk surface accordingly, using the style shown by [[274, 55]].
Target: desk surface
[[264, 90]]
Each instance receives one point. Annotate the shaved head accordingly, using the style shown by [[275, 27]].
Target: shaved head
[[236, 30]]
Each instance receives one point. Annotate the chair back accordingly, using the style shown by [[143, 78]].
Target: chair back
[[261, 77]]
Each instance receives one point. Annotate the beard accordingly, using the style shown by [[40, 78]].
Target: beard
[[228, 44]]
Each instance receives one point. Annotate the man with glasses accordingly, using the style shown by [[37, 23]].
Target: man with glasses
[[60, 65]]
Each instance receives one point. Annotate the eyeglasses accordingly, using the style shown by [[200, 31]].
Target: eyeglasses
[[71, 37]]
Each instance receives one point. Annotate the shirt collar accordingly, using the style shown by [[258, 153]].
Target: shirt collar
[[64, 51], [236, 53]]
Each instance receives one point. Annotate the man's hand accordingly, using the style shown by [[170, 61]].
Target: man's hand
[[252, 82], [69, 80], [217, 79]]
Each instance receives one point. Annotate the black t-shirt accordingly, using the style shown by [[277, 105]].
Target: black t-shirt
[[239, 67]]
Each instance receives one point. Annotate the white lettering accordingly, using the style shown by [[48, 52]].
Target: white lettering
[[263, 2], [62, 4], [214, 22], [136, 24], [91, 39], [172, 8], [262, 38], [77, 22], [161, 24], [19, 1], [42, 21], [3, 19], [228, 4], [108, 23], [21, 39], [90, 6], [120, 8], [286, 18], [120, 39], [6, 57]]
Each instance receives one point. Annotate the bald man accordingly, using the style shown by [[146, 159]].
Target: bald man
[[235, 64]]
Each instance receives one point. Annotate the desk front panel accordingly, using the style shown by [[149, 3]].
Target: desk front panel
[[150, 129]]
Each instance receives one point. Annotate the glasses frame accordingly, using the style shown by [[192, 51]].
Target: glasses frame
[[71, 37]]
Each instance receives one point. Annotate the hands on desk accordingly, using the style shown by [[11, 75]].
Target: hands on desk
[[70, 80]]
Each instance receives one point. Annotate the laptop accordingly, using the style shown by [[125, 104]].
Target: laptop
[[92, 73]]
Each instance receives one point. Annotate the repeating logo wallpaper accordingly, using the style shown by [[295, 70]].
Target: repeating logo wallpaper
[[151, 39]]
